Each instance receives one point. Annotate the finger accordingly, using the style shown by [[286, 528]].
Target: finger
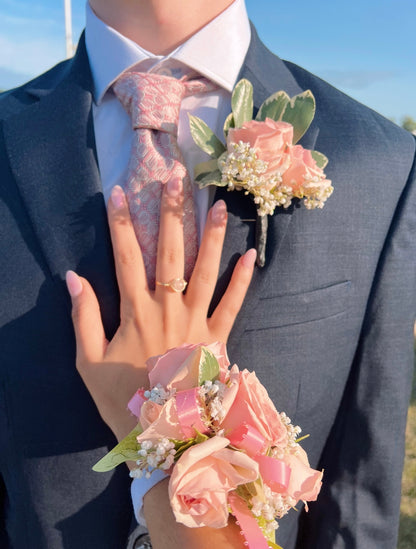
[[86, 318], [204, 278], [170, 249], [130, 270], [228, 308]]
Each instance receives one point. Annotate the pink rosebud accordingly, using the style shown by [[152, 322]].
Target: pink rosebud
[[161, 421], [253, 406], [202, 479], [269, 139], [178, 368], [302, 168], [305, 483]]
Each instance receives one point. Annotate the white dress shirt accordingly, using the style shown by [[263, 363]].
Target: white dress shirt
[[217, 51]]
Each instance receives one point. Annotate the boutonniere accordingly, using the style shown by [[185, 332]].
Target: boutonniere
[[261, 157]]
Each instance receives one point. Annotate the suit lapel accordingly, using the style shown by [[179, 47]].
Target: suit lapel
[[58, 177], [268, 74]]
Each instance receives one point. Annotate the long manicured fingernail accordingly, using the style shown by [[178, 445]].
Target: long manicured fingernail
[[249, 258], [174, 187], [73, 283], [117, 197], [219, 212]]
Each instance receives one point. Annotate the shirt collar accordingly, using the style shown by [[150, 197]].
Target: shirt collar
[[216, 51]]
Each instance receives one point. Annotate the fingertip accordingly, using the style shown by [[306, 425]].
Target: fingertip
[[174, 187], [117, 197], [219, 212], [73, 283], [249, 258]]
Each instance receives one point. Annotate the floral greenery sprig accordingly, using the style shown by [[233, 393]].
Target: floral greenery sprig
[[216, 432], [262, 157]]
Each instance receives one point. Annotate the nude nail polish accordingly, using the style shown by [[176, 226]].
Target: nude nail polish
[[249, 258], [219, 212], [73, 283], [117, 197], [174, 187]]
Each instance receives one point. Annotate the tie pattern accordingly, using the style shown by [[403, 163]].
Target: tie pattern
[[153, 102]]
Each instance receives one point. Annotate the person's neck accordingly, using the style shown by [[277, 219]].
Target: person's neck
[[158, 26]]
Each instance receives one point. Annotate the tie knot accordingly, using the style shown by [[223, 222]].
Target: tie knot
[[152, 100]]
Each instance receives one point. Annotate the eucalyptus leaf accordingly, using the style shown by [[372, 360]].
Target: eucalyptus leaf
[[126, 450], [212, 178], [242, 102], [204, 168], [229, 123], [209, 368], [273, 107], [300, 112], [204, 137], [320, 159]]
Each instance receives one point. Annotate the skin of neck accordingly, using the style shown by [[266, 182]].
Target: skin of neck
[[159, 26]]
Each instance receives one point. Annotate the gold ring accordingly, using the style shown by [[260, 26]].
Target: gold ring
[[178, 285]]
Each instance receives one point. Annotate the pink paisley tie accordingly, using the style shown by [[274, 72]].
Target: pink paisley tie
[[153, 103]]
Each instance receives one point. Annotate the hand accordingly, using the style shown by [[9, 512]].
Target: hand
[[152, 321]]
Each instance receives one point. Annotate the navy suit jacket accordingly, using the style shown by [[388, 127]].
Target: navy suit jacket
[[327, 323]]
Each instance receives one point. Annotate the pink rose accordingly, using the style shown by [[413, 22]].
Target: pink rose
[[160, 421], [302, 166], [305, 483], [202, 479], [178, 367], [253, 406], [269, 139]]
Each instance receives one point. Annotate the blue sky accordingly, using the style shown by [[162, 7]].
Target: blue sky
[[364, 47]]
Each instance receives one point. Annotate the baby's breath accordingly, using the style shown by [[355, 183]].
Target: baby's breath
[[159, 454], [274, 505], [241, 169]]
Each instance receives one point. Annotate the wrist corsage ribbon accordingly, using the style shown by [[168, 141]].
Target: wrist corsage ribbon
[[262, 157], [215, 430]]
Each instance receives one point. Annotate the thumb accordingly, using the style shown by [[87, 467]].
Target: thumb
[[86, 318]]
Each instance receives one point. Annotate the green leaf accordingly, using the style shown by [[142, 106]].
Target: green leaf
[[242, 102], [320, 159], [200, 437], [204, 137], [204, 168], [182, 446], [300, 112], [250, 490], [273, 545], [212, 178], [273, 107], [209, 368], [126, 450], [229, 123]]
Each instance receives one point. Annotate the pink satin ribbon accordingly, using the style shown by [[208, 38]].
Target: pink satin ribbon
[[247, 523], [247, 438], [275, 473], [187, 406], [136, 402]]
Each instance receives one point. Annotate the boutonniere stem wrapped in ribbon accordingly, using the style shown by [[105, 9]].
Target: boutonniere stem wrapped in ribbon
[[262, 157], [216, 432]]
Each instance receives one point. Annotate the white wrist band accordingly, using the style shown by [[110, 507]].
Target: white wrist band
[[139, 488]]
